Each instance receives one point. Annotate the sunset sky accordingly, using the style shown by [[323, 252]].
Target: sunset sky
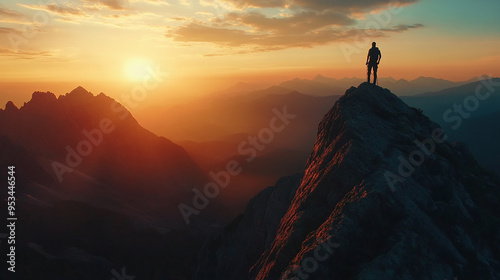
[[105, 45]]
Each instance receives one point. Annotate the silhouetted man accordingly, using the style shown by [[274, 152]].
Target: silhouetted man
[[372, 60]]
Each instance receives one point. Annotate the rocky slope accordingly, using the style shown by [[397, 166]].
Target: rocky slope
[[242, 241], [383, 196]]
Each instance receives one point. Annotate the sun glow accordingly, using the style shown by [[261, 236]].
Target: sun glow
[[135, 69]]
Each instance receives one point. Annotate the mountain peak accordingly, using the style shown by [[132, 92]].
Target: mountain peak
[[80, 92], [78, 96], [10, 106], [40, 96], [370, 104], [381, 188]]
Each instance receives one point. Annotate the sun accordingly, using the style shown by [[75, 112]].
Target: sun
[[136, 69]]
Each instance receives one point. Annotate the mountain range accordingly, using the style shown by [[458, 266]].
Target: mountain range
[[92, 149], [386, 193], [95, 190]]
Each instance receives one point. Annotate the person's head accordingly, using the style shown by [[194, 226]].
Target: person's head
[[374, 44]]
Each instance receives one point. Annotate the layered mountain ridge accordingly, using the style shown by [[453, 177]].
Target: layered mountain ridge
[[383, 196], [95, 191], [95, 151]]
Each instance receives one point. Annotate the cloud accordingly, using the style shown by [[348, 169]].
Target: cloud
[[195, 32], [8, 13], [403, 27], [296, 23], [251, 42], [64, 10], [129, 18], [111, 4], [353, 5], [56, 9], [11, 16], [25, 54], [258, 3], [8, 30]]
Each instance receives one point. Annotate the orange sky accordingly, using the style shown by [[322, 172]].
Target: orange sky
[[205, 45]]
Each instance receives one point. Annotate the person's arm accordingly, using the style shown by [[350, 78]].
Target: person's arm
[[379, 57], [367, 57]]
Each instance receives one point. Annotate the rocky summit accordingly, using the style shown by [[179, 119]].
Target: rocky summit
[[384, 195]]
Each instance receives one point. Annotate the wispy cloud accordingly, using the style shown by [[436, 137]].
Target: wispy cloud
[[355, 5], [195, 32], [403, 27], [56, 9], [111, 4], [8, 13], [25, 54], [83, 13], [64, 10], [9, 30], [11, 16]]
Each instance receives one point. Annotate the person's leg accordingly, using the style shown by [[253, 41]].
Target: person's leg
[[375, 68], [369, 71]]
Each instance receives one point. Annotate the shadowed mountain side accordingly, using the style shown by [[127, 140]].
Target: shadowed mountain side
[[367, 207], [230, 254], [482, 135], [74, 240]]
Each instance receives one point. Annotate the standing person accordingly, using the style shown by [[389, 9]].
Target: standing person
[[372, 60]]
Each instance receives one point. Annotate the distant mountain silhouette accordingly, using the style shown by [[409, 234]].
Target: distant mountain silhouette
[[437, 103], [400, 87], [313, 87], [117, 207], [228, 121], [349, 217], [113, 168], [479, 129]]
